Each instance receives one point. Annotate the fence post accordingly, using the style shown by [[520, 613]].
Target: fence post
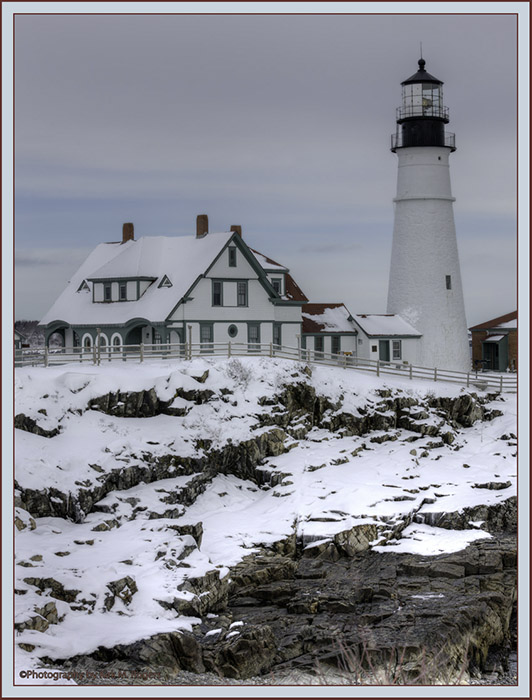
[[271, 349], [435, 374], [46, 355], [142, 352], [410, 372], [345, 361], [468, 379], [501, 384], [378, 368], [94, 354], [229, 349]]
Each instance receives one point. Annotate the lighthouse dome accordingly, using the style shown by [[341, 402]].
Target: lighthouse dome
[[422, 76]]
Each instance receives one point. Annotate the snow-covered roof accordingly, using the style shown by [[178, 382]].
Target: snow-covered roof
[[182, 258], [267, 263], [494, 338], [506, 321], [385, 324], [326, 318], [508, 324]]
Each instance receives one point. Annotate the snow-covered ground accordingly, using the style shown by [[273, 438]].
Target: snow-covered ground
[[331, 484]]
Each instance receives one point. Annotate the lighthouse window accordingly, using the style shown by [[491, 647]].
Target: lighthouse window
[[448, 282]]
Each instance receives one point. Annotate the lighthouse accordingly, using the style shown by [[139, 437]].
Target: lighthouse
[[425, 286]]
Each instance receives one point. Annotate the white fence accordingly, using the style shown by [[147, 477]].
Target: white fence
[[103, 354]]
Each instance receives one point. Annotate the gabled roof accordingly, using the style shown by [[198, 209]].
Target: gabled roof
[[385, 325], [506, 321], [293, 291], [326, 318], [268, 264], [185, 258]]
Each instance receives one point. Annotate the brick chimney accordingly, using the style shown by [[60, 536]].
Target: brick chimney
[[202, 225], [128, 233], [237, 229]]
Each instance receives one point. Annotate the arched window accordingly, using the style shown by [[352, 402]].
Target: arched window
[[116, 342], [87, 341], [104, 340]]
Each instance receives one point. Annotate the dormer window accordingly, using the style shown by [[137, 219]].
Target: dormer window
[[277, 284], [122, 291], [83, 287], [107, 291], [165, 282]]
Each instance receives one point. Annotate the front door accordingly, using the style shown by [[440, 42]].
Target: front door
[[384, 350], [490, 352]]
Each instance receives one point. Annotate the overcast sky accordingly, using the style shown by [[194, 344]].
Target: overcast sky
[[280, 124]]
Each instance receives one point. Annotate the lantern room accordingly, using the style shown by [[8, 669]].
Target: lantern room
[[421, 117]]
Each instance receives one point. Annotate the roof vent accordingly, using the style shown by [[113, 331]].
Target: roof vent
[[202, 225], [128, 233]]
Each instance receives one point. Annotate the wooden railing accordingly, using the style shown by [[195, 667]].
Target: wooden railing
[[103, 354]]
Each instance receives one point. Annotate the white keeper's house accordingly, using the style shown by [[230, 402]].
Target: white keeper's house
[[207, 288]]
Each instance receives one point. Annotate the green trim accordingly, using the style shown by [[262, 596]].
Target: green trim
[[122, 279], [277, 326], [239, 320], [237, 241], [280, 280], [392, 337], [220, 282], [331, 333], [254, 324]]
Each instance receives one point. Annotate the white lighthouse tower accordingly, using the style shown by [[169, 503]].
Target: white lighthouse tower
[[425, 286]]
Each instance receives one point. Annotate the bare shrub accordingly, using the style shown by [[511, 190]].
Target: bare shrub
[[239, 373]]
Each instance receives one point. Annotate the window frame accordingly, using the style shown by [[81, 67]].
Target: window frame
[[277, 281], [214, 293], [397, 349], [122, 287], [254, 343], [232, 256], [319, 344], [107, 287], [336, 339], [206, 344], [277, 334], [244, 294]]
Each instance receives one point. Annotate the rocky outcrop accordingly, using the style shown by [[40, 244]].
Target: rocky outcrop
[[303, 600], [240, 459]]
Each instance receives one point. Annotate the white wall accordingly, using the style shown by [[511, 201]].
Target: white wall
[[221, 267], [424, 252]]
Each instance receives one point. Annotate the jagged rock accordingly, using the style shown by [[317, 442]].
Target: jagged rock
[[57, 590], [26, 423], [248, 653], [495, 518], [124, 588], [24, 520]]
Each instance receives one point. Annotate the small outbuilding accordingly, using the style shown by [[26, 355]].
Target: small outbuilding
[[494, 343], [388, 338], [328, 328]]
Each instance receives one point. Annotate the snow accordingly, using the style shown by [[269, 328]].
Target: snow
[[508, 324], [182, 258], [267, 264], [331, 484], [385, 324], [334, 319], [493, 338]]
